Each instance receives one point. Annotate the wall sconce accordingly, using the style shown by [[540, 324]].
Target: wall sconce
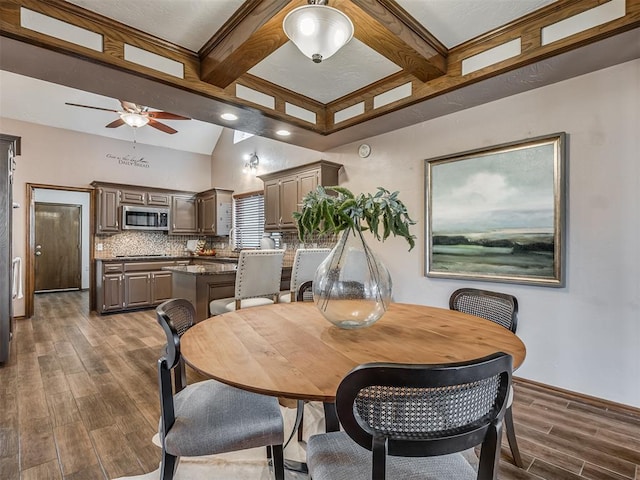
[[251, 165]]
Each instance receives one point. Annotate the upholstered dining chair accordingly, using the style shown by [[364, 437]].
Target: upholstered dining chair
[[502, 309], [257, 281], [305, 264], [416, 421], [208, 417]]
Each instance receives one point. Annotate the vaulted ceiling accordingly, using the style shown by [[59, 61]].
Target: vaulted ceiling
[[409, 60]]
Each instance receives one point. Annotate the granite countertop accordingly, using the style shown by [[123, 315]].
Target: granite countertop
[[212, 268], [209, 258]]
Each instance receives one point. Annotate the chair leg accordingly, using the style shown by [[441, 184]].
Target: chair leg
[[168, 466], [278, 461], [301, 423], [511, 437]]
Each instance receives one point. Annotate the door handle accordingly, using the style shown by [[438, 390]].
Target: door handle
[[38, 254]]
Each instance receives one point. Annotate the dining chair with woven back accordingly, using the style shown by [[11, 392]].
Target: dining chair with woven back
[[305, 292], [257, 281], [416, 421], [500, 308], [305, 264], [208, 417]]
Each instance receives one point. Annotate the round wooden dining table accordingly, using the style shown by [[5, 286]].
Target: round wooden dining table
[[290, 350]]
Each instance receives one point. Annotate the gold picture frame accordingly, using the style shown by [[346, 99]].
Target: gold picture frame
[[497, 214]]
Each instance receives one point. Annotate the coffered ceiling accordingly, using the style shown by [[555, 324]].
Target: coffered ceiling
[[409, 60]]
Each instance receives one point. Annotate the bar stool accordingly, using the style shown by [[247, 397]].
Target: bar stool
[[257, 281], [305, 264]]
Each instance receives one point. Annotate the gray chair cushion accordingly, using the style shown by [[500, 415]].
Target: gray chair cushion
[[334, 456], [212, 417]]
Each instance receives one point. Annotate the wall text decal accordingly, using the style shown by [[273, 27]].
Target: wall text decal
[[130, 160]]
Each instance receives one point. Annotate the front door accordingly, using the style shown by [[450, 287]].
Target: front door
[[57, 249]]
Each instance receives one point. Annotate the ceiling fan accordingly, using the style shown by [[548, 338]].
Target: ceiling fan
[[136, 116]]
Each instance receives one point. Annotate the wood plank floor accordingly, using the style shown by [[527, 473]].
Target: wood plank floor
[[78, 401]]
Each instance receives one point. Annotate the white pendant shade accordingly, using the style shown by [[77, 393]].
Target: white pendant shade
[[317, 30], [134, 120]]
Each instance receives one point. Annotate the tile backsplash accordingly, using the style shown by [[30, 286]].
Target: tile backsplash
[[134, 243], [151, 243]]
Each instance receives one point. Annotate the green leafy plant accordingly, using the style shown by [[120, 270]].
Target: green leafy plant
[[381, 213]]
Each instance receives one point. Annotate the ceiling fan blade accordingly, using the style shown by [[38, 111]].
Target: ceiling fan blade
[[115, 123], [89, 106], [167, 116], [161, 126]]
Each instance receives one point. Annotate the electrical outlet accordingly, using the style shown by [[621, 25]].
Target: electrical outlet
[[99, 247]]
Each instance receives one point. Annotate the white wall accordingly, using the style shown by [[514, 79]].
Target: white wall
[[584, 337], [43, 195], [228, 160], [54, 156]]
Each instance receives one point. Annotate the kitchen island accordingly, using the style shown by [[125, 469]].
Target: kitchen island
[[131, 282], [200, 284]]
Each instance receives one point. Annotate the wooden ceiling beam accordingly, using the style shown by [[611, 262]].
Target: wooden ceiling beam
[[253, 33], [117, 36], [393, 33], [282, 96]]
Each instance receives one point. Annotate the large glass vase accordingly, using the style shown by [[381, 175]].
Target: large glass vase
[[352, 287]]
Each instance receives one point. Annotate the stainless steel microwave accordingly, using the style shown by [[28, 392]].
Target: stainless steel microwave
[[144, 218]]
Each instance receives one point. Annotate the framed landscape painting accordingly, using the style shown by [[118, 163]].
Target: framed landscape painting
[[497, 214]]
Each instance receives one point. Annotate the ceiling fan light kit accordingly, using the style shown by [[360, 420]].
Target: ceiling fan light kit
[[134, 120], [318, 30], [137, 116]]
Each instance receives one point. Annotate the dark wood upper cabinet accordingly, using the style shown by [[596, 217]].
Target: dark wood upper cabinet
[[285, 189], [107, 208], [206, 213], [184, 214], [145, 197], [131, 197], [214, 212]]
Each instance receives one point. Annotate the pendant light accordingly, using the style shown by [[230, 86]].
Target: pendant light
[[318, 30]]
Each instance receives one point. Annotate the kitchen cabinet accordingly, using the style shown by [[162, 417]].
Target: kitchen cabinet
[[131, 197], [214, 212], [157, 199], [272, 206], [131, 284], [184, 214], [111, 288], [110, 196], [107, 203], [160, 287], [206, 213], [137, 290], [144, 197], [285, 189]]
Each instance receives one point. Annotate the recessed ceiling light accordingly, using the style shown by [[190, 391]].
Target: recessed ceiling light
[[283, 133], [229, 116]]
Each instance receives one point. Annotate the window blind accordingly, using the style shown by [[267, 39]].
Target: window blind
[[248, 214]]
